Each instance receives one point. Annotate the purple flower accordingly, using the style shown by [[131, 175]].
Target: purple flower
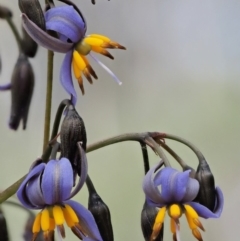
[[174, 191], [49, 187], [70, 27]]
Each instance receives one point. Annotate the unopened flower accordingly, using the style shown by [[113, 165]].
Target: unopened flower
[[71, 28], [21, 87], [49, 187], [173, 192]]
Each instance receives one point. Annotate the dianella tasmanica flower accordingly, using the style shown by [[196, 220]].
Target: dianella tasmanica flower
[[49, 187], [173, 192], [70, 26]]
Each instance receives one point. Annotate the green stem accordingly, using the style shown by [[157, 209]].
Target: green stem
[[48, 104], [15, 32], [144, 137]]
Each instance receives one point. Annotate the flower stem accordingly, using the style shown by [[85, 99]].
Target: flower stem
[[48, 104], [145, 156], [197, 152], [15, 32]]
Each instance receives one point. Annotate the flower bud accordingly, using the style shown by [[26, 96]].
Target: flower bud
[[29, 46], [33, 10], [102, 216], [148, 216], [3, 228], [72, 131], [206, 195], [5, 12], [22, 84]]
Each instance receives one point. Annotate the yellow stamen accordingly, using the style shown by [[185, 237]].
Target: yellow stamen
[[52, 224], [76, 70], [192, 218], [172, 225], [104, 38], [77, 58], [45, 220], [158, 223], [197, 234], [102, 51], [58, 215], [175, 211], [37, 223], [72, 214]]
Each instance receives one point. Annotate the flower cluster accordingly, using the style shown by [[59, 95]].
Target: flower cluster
[[174, 192]]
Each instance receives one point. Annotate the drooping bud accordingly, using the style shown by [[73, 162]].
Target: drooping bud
[[3, 228], [148, 217], [73, 131], [207, 194], [5, 12], [22, 84], [33, 10], [29, 46], [100, 212]]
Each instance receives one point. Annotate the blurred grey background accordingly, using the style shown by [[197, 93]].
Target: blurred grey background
[[180, 75]]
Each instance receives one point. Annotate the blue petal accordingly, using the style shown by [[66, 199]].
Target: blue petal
[[21, 193], [86, 220], [43, 38], [192, 190], [57, 181], [34, 192], [153, 195], [83, 174], [66, 21], [66, 77], [205, 212]]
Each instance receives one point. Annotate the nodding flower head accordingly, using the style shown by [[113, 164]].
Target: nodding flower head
[[173, 192], [49, 187], [71, 27]]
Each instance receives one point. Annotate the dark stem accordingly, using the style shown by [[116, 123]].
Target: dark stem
[[145, 156], [90, 186]]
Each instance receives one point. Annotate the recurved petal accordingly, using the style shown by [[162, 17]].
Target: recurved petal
[[84, 171], [191, 191], [66, 21], [43, 38], [34, 192], [205, 212], [66, 77], [152, 192], [22, 193], [57, 181], [86, 220]]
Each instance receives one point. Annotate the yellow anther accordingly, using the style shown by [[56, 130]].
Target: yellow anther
[[104, 38], [196, 233], [175, 211], [192, 218], [72, 213], [161, 215], [45, 220], [76, 70], [77, 58], [102, 51], [37, 223], [93, 41], [173, 225], [58, 215], [52, 224], [191, 211]]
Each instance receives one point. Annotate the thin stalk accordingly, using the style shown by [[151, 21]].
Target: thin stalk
[[15, 32], [197, 152], [48, 105]]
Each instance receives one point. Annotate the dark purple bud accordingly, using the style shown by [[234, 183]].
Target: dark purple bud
[[5, 12], [29, 46], [22, 84], [207, 193], [33, 10], [148, 216], [102, 216], [3, 228], [73, 131]]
